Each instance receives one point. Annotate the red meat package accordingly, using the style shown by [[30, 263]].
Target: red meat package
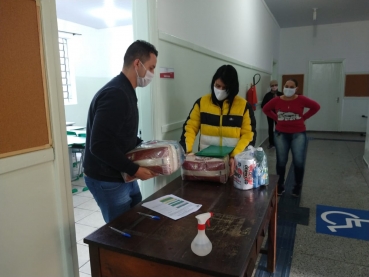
[[162, 157], [196, 168]]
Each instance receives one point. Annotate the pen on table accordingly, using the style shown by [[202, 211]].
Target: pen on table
[[151, 216], [120, 232]]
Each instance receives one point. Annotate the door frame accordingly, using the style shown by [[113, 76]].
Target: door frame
[[342, 84], [144, 17]]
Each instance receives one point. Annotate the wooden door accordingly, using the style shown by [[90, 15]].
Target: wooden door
[[298, 77]]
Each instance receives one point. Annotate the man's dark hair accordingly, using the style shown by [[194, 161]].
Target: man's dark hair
[[141, 50], [228, 75]]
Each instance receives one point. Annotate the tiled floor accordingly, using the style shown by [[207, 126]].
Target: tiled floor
[[88, 218], [335, 176]]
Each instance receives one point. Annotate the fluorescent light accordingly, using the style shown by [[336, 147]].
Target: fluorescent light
[[110, 14]]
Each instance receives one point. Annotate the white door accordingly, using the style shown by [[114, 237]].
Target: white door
[[326, 87]]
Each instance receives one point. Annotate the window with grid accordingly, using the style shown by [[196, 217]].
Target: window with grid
[[68, 90]]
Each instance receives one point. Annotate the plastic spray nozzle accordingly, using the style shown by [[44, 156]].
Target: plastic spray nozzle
[[203, 218]]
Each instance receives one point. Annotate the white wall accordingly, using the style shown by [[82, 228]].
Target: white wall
[[37, 235], [196, 41], [96, 57], [197, 37], [348, 41], [242, 30]]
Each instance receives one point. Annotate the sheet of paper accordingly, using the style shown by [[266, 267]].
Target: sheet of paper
[[172, 206]]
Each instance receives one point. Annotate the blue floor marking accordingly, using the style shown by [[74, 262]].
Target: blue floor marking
[[286, 230], [289, 214], [343, 222]]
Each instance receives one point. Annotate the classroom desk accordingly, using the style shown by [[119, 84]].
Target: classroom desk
[[70, 128], [69, 123], [73, 140], [163, 248], [77, 142], [78, 133]]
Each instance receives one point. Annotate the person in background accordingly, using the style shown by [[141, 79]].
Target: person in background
[[269, 96], [222, 117], [290, 133], [112, 127]]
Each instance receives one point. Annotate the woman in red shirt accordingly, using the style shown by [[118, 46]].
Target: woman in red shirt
[[290, 131]]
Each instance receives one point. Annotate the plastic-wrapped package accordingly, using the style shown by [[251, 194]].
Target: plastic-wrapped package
[[197, 168], [162, 157], [262, 166], [251, 169]]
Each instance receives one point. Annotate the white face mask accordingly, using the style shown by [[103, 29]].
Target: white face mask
[[220, 94], [289, 91], [144, 81], [274, 88]]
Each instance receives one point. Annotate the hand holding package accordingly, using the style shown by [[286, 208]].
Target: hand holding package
[[162, 157]]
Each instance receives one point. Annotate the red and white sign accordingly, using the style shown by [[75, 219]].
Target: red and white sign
[[166, 72]]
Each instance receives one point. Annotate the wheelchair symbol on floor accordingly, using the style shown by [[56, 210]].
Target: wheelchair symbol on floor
[[349, 221]]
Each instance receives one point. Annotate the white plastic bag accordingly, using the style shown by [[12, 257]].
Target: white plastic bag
[[251, 169]]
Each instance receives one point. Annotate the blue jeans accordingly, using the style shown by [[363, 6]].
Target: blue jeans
[[297, 142], [114, 198]]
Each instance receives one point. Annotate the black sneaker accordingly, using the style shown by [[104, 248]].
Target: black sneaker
[[296, 191], [270, 146], [280, 190]]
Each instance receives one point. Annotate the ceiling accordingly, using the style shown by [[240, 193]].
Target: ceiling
[[288, 13], [297, 13], [79, 11]]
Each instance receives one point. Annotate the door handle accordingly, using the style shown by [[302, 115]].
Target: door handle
[[338, 99]]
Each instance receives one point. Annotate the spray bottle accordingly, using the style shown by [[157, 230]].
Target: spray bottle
[[201, 244]]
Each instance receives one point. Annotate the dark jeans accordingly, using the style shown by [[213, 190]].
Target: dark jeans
[[114, 198], [271, 130], [297, 142]]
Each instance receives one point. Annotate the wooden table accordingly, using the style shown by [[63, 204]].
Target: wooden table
[[163, 248]]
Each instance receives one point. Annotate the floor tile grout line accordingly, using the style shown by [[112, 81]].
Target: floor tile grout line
[[86, 209], [83, 218], [76, 194], [87, 225], [83, 265]]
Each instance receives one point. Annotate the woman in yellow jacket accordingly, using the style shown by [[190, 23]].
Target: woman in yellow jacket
[[222, 117]]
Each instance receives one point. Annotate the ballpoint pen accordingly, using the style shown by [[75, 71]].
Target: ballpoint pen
[[120, 232], [151, 216]]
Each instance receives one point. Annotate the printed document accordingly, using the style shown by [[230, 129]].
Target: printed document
[[172, 206]]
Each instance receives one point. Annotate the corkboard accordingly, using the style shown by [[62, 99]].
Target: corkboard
[[357, 85], [24, 121], [299, 78]]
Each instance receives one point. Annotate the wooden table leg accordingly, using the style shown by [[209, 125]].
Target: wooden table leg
[[95, 261], [272, 237]]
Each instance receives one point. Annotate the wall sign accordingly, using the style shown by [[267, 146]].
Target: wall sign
[[166, 72]]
